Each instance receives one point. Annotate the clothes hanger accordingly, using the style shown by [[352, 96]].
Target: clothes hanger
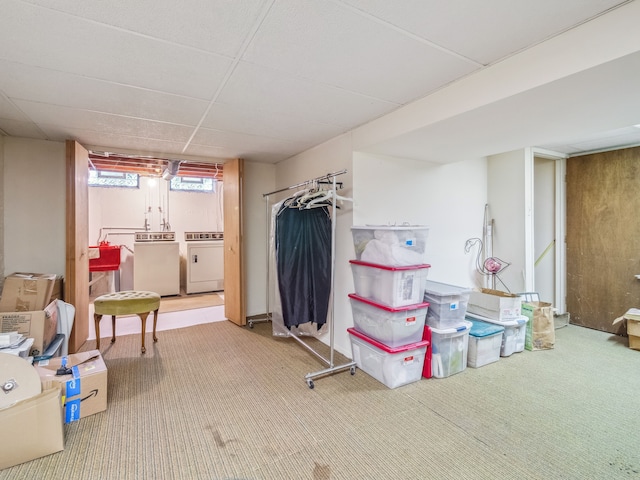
[[329, 195]]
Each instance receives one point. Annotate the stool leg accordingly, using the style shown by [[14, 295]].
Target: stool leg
[[96, 319], [143, 317], [113, 328], [155, 321]]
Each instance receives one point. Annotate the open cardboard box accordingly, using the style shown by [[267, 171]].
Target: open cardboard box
[[495, 304], [632, 317], [27, 292], [41, 325], [84, 389]]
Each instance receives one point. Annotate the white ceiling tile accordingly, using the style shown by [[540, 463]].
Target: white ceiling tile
[[62, 119], [207, 136], [16, 128], [21, 81], [484, 31], [106, 53], [8, 111], [253, 87], [218, 26], [321, 41], [105, 141], [268, 124]]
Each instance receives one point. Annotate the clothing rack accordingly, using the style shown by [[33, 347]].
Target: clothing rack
[[329, 178]]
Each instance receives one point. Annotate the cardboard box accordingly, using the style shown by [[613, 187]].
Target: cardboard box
[[41, 325], [84, 391], [58, 289], [632, 318], [26, 292], [495, 304], [41, 414]]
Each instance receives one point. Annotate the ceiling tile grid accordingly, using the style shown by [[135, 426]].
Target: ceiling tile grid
[[263, 79], [324, 42], [216, 26]]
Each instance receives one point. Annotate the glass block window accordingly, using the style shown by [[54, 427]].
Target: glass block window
[[193, 184], [103, 178]]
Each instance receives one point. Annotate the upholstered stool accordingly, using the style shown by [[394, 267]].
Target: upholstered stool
[[126, 303]]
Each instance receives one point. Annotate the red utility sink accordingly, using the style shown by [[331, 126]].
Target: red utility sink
[[109, 258]]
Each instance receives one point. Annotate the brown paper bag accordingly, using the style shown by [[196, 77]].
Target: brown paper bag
[[541, 333]]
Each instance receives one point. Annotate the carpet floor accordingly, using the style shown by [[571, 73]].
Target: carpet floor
[[218, 401]]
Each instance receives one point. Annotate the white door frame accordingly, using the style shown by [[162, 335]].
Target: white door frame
[[560, 303]]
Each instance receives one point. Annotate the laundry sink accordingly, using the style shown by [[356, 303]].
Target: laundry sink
[[106, 257]]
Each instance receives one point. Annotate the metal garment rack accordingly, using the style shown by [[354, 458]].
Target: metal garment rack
[[331, 367]]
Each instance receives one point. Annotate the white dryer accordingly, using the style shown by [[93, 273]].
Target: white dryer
[[204, 268]]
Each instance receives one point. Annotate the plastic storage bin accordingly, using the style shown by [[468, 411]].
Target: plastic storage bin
[[391, 286], [447, 304], [513, 336], [392, 366], [485, 342], [392, 326], [395, 246], [449, 349]]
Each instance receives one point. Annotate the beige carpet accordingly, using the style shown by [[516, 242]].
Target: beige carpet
[[218, 401]]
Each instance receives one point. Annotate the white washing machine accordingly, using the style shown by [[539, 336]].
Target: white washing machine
[[204, 262], [156, 263]]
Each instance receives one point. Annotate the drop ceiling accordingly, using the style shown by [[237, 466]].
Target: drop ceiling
[[267, 79]]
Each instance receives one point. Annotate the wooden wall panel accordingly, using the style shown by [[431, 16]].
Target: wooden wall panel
[[603, 237]]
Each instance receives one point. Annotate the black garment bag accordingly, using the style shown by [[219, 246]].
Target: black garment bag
[[303, 260]]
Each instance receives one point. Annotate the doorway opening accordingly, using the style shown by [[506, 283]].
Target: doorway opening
[[147, 206]]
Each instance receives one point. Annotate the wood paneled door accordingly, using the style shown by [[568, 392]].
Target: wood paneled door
[[603, 237], [234, 299]]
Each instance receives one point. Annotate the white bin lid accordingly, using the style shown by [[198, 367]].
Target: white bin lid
[[442, 289], [464, 325], [389, 227], [505, 323]]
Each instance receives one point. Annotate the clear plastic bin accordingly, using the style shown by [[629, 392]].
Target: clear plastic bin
[[514, 333], [449, 349], [392, 245], [447, 304], [391, 286], [392, 366], [392, 326], [485, 342]]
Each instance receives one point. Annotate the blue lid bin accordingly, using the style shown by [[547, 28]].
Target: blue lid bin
[[485, 341]]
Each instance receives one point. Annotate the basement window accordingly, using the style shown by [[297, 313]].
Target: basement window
[[104, 178], [193, 184]]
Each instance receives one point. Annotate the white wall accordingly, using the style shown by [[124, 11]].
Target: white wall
[[509, 193], [332, 156], [2, 229], [34, 206], [448, 198], [259, 178]]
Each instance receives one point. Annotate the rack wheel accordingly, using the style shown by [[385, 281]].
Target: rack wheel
[[310, 383], [352, 370]]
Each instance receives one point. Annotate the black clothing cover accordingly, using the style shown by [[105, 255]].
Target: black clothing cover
[[303, 259]]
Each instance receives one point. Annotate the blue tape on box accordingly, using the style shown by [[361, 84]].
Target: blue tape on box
[[73, 386], [72, 410]]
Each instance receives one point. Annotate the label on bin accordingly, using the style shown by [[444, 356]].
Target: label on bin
[[453, 306], [410, 322], [409, 360], [409, 242]]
